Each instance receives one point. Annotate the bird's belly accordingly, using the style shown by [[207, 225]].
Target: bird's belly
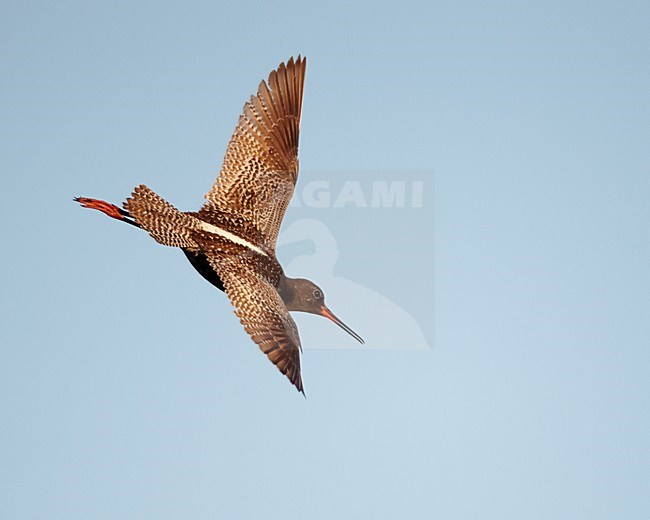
[[201, 264]]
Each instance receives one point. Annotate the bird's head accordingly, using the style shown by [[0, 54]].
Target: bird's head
[[303, 295]]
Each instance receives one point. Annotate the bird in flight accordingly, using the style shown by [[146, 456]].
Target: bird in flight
[[231, 240]]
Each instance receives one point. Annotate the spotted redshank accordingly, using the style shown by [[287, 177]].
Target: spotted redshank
[[231, 240]]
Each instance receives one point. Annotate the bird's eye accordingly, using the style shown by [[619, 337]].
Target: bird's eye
[[317, 294]]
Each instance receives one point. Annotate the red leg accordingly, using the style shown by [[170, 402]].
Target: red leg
[[107, 208]]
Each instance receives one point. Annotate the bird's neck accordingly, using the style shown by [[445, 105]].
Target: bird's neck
[[287, 291]]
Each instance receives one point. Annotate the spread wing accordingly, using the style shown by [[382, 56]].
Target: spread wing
[[263, 314], [260, 168]]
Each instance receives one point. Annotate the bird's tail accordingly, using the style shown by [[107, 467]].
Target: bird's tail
[[166, 224]]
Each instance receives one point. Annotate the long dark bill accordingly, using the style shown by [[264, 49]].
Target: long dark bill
[[331, 316]]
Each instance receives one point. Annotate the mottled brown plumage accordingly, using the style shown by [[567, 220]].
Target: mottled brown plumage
[[231, 240]]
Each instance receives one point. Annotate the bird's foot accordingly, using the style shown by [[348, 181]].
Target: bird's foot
[[105, 207]]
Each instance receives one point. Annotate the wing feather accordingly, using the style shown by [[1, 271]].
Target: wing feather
[[263, 314], [260, 168]]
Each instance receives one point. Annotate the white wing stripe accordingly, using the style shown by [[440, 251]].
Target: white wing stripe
[[210, 228]]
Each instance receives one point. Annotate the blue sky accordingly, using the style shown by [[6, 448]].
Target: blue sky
[[129, 390]]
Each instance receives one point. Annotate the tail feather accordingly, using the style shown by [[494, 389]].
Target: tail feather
[[166, 224]]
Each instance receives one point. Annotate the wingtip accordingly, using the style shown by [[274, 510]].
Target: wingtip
[[297, 382], [297, 61]]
